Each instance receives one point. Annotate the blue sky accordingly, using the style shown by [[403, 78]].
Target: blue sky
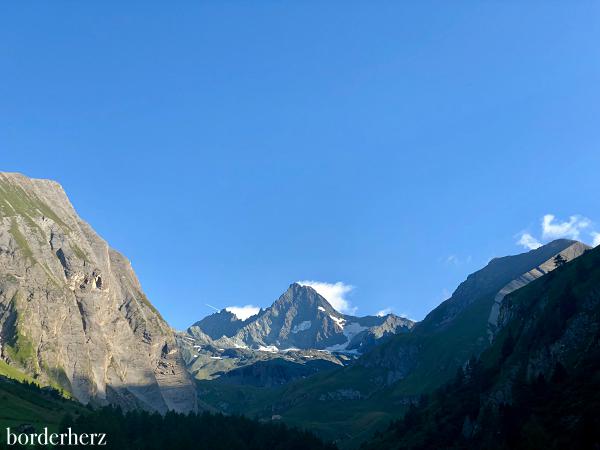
[[231, 148]]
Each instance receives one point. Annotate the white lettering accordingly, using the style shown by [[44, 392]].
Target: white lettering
[[70, 438], [11, 438]]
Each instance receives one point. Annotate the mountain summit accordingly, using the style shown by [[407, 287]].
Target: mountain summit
[[72, 312], [302, 319], [465, 324], [219, 324], [396, 373], [299, 334]]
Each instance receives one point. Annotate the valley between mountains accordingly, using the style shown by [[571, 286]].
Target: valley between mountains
[[74, 317]]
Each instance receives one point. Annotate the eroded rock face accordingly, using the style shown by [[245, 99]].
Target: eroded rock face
[[302, 319], [72, 312], [299, 334], [574, 250]]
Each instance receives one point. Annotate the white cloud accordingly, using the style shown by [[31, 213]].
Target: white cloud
[[384, 312], [553, 229], [529, 242], [243, 312], [455, 260], [452, 259], [334, 293]]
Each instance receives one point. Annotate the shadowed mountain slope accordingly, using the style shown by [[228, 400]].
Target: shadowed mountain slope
[[537, 386], [354, 401]]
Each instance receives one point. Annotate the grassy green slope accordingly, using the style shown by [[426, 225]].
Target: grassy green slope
[[26, 404], [13, 373], [445, 345], [443, 352], [15, 201], [553, 327], [328, 404], [316, 403]]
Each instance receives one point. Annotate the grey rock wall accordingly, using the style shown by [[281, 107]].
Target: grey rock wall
[[73, 313]]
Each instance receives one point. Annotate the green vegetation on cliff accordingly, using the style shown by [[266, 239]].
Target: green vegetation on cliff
[[26, 404], [538, 386]]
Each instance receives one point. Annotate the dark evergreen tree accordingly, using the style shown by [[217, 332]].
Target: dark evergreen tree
[[559, 260]]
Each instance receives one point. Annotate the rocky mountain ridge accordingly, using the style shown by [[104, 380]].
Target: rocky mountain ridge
[[355, 399], [301, 327], [73, 313], [300, 319], [537, 386], [464, 325]]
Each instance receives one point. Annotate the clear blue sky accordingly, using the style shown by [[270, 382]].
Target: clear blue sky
[[230, 148]]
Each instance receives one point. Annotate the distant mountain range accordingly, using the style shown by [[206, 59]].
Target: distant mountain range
[[300, 319], [349, 403], [300, 328], [74, 316]]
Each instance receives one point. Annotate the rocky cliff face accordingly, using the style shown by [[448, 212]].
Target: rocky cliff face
[[72, 312], [219, 324], [300, 333], [573, 250], [301, 319]]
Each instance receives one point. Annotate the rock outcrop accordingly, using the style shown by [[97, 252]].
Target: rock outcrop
[[219, 324], [72, 312], [299, 334], [300, 319]]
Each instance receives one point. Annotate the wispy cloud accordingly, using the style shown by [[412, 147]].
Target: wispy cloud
[[243, 312], [576, 228], [384, 312], [455, 260], [334, 293], [452, 259], [529, 242], [555, 229]]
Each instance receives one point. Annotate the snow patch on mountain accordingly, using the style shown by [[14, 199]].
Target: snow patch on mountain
[[302, 326], [268, 348], [339, 320], [350, 330]]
